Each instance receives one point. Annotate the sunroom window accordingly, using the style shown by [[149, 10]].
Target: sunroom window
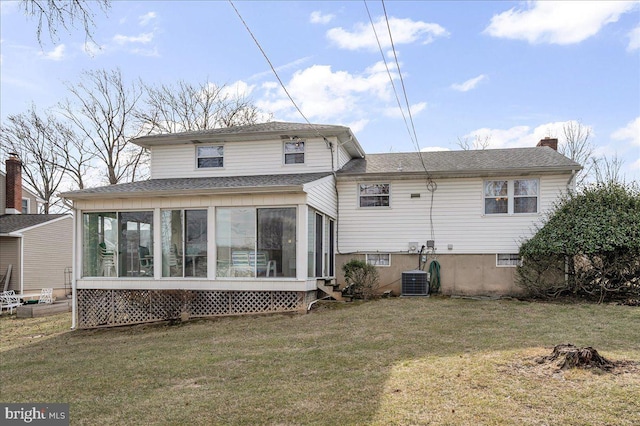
[[256, 242], [184, 243], [117, 244]]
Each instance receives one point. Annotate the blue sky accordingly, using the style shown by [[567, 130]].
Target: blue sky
[[510, 71]]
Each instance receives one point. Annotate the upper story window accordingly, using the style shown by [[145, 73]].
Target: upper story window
[[294, 152], [374, 194], [210, 156], [25, 206], [511, 196]]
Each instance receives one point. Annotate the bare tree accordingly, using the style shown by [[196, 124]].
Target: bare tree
[[478, 142], [54, 14], [577, 147], [78, 156], [188, 107], [607, 170], [102, 113], [34, 138]]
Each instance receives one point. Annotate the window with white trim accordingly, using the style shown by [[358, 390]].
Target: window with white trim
[[209, 156], [511, 196], [508, 259], [379, 259], [294, 152], [25, 206], [374, 194]]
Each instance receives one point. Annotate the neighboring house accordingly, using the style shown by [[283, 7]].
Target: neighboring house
[[37, 246], [257, 218]]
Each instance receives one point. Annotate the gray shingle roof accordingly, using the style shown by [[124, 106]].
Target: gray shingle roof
[[463, 163], [15, 222], [199, 185], [271, 127]]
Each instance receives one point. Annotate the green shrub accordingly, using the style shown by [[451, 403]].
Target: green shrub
[[362, 278], [588, 247]]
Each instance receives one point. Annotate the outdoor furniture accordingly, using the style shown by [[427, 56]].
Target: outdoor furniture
[[146, 260], [107, 262], [243, 263], [9, 300], [46, 296]]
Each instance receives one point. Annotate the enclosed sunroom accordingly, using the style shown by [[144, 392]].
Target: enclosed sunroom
[[195, 247]]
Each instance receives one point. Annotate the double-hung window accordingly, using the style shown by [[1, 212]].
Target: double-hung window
[[294, 152], [511, 196], [374, 194], [210, 156]]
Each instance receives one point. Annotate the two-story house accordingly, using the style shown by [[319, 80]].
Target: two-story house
[[35, 248], [257, 218]]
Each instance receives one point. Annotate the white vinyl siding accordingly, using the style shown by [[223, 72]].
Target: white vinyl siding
[[245, 158], [321, 195], [343, 157], [10, 249], [457, 218]]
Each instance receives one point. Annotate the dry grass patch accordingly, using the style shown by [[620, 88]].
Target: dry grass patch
[[393, 361]]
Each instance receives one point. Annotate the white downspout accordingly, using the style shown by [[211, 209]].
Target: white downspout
[[74, 297], [21, 264]]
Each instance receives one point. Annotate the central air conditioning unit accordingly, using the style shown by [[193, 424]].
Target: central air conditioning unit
[[415, 283]]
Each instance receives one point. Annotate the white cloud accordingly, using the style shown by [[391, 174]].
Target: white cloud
[[143, 38], [318, 17], [358, 125], [394, 111], [284, 67], [146, 18], [634, 39], [236, 89], [631, 132], [635, 165], [332, 96], [557, 22], [520, 136], [404, 31], [469, 84], [57, 54]]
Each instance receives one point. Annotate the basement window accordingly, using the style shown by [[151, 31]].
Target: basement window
[[379, 259], [508, 259]]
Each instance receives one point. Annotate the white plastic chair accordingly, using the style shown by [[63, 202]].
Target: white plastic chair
[[9, 300], [46, 296]]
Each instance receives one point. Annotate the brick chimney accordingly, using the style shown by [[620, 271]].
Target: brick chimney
[[14, 184], [550, 142]]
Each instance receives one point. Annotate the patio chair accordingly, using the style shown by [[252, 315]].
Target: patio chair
[[46, 296], [146, 260], [9, 300], [107, 262]]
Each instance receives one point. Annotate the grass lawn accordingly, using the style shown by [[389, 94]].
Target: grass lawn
[[399, 361]]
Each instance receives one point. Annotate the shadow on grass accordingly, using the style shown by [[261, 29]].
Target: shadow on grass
[[333, 366]]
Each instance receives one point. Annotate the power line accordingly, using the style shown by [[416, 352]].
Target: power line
[[329, 144]]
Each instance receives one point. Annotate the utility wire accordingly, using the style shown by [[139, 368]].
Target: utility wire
[[431, 185], [329, 144], [404, 91]]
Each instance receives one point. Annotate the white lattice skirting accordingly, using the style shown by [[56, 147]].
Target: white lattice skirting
[[108, 308]]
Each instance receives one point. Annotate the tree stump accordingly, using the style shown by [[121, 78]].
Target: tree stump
[[570, 356]]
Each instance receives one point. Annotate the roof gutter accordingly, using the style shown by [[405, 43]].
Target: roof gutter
[[182, 192]]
